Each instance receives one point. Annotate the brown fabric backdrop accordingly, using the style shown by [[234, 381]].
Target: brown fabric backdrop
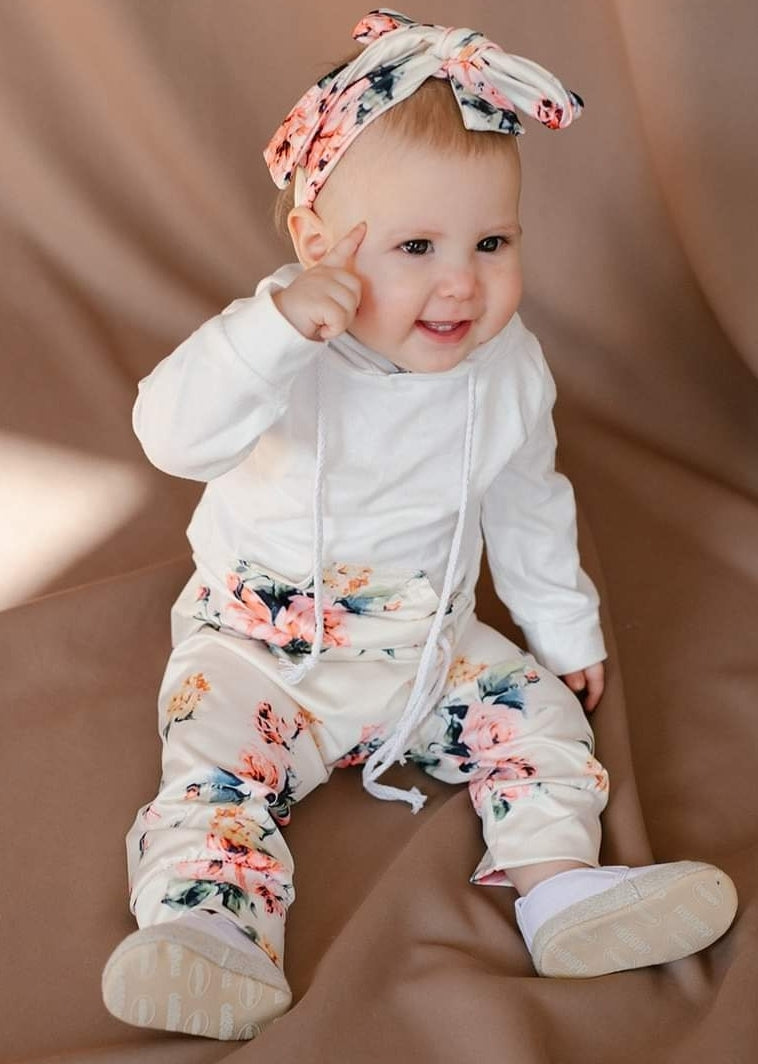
[[133, 205]]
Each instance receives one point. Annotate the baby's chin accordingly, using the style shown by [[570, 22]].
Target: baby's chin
[[420, 353], [436, 362]]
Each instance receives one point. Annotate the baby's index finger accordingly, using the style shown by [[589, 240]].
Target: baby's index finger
[[341, 253]]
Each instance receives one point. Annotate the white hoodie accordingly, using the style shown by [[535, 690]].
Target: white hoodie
[[236, 406]]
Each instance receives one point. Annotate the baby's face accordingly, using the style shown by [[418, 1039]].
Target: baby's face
[[440, 263]]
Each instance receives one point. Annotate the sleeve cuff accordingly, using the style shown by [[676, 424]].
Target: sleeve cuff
[[566, 648], [265, 341]]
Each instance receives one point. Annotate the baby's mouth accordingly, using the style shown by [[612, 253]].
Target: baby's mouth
[[444, 331]]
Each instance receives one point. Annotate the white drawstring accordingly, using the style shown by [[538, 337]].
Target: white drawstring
[[437, 652], [291, 672], [422, 698]]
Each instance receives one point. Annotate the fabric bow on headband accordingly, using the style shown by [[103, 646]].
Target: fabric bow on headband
[[400, 55]]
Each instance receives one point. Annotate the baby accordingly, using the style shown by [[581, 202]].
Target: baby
[[365, 423]]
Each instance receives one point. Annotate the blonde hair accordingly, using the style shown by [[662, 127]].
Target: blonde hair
[[430, 116]]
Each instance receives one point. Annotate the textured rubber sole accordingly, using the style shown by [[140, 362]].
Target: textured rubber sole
[[668, 913], [174, 979]]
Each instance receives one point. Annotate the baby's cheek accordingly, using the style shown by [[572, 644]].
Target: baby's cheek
[[506, 298], [401, 296], [388, 302], [368, 289], [366, 325], [376, 297]]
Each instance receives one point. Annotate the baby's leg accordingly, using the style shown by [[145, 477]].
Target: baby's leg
[[519, 738], [210, 873]]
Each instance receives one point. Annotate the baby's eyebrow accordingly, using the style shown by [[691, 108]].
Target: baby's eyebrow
[[509, 229], [417, 232], [420, 232]]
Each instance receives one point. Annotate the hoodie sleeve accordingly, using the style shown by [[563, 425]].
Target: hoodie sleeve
[[202, 409], [529, 525]]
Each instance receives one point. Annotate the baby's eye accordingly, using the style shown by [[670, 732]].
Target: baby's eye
[[491, 243], [416, 247]]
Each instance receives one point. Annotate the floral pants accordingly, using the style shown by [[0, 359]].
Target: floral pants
[[240, 747]]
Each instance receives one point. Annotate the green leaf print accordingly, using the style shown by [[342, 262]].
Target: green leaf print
[[370, 601], [191, 893], [502, 684]]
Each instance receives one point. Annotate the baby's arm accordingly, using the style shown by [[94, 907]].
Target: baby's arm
[[529, 524], [201, 411]]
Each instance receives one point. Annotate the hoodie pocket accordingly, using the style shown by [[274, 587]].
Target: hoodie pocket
[[385, 611]]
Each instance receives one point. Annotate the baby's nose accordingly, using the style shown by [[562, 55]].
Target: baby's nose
[[458, 282]]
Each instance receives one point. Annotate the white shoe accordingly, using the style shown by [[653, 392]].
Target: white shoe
[[646, 916], [198, 974]]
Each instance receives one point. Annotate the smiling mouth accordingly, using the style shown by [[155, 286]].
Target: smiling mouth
[[444, 331]]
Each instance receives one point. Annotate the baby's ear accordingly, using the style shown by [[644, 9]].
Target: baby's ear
[[309, 236]]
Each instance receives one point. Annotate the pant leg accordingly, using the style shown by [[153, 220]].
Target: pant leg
[[521, 741], [237, 752]]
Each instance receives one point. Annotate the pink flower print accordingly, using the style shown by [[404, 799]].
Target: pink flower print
[[531, 676], [488, 726], [375, 25], [246, 860], [269, 724], [491, 787], [469, 69], [286, 146], [257, 861], [235, 839], [237, 831], [369, 741], [597, 774], [480, 791], [250, 615], [304, 719], [261, 770], [299, 622], [324, 149], [296, 621], [273, 903], [549, 113], [203, 593], [339, 127], [234, 868]]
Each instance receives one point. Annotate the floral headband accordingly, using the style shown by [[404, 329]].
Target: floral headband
[[399, 56]]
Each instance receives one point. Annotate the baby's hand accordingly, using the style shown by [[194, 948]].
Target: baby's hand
[[591, 681], [323, 300]]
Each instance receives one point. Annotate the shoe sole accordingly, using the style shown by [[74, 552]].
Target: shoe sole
[[174, 979], [663, 915]]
